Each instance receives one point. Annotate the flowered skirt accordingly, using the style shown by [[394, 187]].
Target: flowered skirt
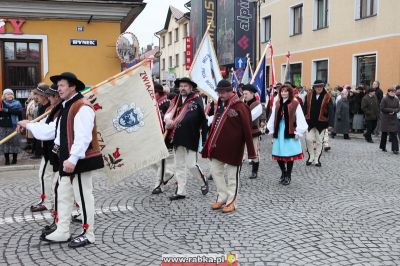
[[286, 149], [11, 146]]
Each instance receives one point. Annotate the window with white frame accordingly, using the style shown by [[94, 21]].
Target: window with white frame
[[366, 8], [169, 38], [176, 34], [321, 70], [366, 69], [185, 30], [266, 29], [163, 64], [177, 60], [293, 74], [170, 61], [163, 41], [296, 20], [320, 14]]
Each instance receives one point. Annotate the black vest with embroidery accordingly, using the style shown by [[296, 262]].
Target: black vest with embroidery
[[83, 165]]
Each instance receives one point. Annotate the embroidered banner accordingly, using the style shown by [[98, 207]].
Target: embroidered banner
[[127, 121]]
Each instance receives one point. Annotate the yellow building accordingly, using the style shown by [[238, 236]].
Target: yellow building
[[173, 46], [340, 41], [39, 39]]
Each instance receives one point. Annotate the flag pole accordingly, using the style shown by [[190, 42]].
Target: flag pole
[[10, 136], [198, 51], [287, 67], [250, 67], [259, 64], [201, 43]]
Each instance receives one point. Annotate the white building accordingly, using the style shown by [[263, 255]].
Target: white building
[[172, 46]]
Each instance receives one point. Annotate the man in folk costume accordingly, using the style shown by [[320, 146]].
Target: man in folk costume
[[183, 121], [45, 171], [79, 156], [287, 124], [164, 169], [319, 113], [230, 132], [257, 122], [50, 164]]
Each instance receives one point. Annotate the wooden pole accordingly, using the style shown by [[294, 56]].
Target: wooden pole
[[85, 92], [259, 65]]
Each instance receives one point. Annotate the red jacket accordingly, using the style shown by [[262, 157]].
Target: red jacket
[[230, 131]]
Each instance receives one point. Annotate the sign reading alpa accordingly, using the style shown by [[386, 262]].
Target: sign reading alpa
[[244, 18]]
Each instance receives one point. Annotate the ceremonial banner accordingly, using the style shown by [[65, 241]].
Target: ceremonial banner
[[205, 69], [127, 122], [248, 74], [234, 80], [259, 79]]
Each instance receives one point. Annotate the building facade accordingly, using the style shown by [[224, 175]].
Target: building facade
[[173, 46], [38, 40], [339, 41]]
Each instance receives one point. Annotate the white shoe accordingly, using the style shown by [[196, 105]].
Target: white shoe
[[57, 237]]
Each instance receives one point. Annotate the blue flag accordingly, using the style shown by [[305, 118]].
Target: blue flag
[[234, 81], [260, 79]]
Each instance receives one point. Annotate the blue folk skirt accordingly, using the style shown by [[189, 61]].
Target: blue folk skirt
[[286, 149]]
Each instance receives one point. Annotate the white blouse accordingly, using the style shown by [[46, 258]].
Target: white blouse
[[301, 123]]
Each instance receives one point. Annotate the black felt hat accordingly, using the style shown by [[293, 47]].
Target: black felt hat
[[71, 77]]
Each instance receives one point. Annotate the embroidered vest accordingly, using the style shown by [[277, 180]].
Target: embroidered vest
[[93, 159], [289, 114]]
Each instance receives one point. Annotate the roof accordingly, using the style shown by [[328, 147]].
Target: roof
[[124, 11], [177, 14]]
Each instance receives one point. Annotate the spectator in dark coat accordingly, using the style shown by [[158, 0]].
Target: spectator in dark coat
[[342, 116], [389, 108], [370, 107]]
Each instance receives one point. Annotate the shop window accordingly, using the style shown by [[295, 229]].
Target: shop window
[[22, 70], [294, 73], [320, 70], [366, 69]]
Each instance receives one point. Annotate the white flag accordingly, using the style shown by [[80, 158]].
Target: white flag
[[246, 75], [127, 122], [205, 69]]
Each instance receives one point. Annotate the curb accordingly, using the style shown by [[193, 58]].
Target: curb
[[19, 167]]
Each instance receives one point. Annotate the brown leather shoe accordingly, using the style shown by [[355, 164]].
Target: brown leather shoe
[[38, 208], [217, 205], [229, 208]]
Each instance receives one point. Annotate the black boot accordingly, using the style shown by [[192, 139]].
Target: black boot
[[14, 159], [288, 176], [283, 176], [346, 136], [7, 158], [254, 170]]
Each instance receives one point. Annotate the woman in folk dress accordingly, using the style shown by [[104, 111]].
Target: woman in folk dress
[[287, 124]]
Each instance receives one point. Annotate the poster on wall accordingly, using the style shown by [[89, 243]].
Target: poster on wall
[[225, 32]]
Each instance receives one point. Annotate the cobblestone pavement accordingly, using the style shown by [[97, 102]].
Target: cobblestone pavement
[[345, 213]]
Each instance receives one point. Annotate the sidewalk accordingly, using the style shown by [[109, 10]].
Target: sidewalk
[[24, 163]]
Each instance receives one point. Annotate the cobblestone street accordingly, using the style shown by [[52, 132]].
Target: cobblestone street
[[345, 213]]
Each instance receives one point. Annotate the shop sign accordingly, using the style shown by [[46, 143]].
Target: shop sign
[[16, 24], [82, 42]]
